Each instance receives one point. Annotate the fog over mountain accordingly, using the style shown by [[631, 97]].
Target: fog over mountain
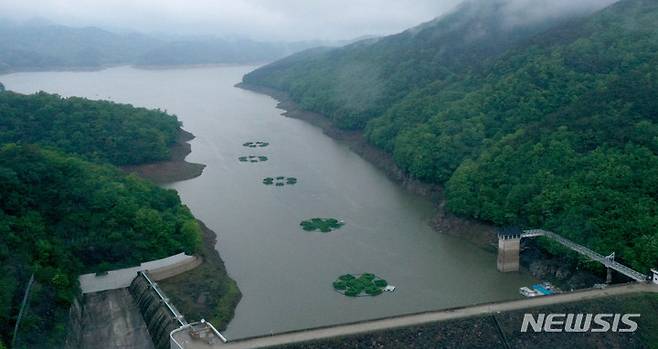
[[425, 127], [519, 110], [265, 20]]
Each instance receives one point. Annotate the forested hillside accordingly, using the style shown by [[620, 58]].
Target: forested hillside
[[26, 47], [361, 81], [65, 210], [61, 216], [29, 47], [96, 130], [555, 127]]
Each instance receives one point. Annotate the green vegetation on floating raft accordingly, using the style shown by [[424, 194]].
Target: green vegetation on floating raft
[[325, 225], [366, 284], [280, 181], [253, 158], [255, 144]]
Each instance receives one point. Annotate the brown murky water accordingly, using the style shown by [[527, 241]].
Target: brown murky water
[[284, 272]]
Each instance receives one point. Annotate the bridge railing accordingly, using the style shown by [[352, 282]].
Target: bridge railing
[[177, 315], [635, 275], [175, 344]]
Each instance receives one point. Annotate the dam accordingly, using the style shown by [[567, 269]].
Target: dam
[[182, 338], [126, 308], [279, 268]]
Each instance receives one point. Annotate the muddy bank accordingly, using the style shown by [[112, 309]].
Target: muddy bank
[[534, 260], [173, 170], [482, 234], [206, 292]]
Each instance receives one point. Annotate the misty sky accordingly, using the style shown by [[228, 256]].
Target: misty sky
[[256, 19]]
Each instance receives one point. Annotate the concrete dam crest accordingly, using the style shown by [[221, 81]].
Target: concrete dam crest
[[126, 309]]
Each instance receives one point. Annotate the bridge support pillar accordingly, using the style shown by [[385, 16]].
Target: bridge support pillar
[[508, 253], [608, 278]]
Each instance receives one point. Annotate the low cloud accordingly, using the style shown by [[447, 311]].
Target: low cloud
[[519, 12], [259, 19], [268, 19]]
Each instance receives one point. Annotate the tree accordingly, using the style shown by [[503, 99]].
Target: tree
[[61, 216]]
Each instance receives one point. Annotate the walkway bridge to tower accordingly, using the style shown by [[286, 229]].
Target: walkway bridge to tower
[[509, 247]]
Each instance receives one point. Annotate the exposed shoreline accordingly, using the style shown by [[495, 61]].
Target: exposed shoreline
[[175, 169], [206, 292], [534, 260], [482, 234]]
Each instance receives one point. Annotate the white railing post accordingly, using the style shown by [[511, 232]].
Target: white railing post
[[606, 261]]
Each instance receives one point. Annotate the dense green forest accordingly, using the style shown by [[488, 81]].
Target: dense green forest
[[65, 210], [356, 83], [556, 127], [96, 130], [61, 216]]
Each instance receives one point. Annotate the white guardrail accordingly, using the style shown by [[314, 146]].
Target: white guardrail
[[176, 345]]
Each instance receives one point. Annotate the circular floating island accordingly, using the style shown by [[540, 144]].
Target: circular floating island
[[253, 158], [255, 144], [324, 225], [363, 285], [280, 181]]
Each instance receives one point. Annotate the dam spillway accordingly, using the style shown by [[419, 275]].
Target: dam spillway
[[160, 315], [125, 308]]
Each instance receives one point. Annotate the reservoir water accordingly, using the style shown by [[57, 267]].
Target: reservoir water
[[285, 273]]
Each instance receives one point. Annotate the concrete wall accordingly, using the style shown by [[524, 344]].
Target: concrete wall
[[116, 312], [172, 270], [121, 278], [74, 331], [508, 254], [158, 317], [111, 320]]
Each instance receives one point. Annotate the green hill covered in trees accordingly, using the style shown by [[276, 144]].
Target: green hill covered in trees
[[96, 130], [45, 46], [553, 127], [66, 210], [61, 216]]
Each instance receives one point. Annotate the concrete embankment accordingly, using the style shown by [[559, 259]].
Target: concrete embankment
[[477, 326], [502, 328], [159, 315], [111, 319], [122, 278], [123, 309]]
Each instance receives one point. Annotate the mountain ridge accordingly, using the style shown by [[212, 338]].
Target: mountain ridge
[[557, 129], [47, 46]]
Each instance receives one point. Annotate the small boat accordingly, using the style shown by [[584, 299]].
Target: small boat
[[539, 288], [527, 292]]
